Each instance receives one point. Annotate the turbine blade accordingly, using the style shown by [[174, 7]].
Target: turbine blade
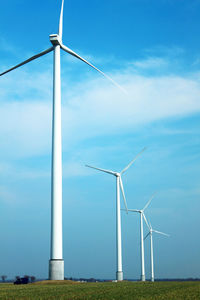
[[146, 236], [149, 201], [145, 219], [132, 161], [122, 189], [161, 233], [88, 63], [131, 210], [103, 170], [28, 60], [60, 30]]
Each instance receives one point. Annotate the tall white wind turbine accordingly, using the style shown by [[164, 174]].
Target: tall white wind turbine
[[119, 185], [56, 262], [151, 230], [142, 216]]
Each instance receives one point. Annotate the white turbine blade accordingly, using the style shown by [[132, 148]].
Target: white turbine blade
[[149, 201], [145, 219], [132, 161], [146, 236], [131, 210], [160, 232], [28, 60], [103, 170], [60, 31], [88, 63], [122, 189], [134, 210]]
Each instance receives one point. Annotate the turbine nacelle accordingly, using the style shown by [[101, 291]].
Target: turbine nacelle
[[55, 39]]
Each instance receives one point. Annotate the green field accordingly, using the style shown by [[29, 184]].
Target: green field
[[103, 291]]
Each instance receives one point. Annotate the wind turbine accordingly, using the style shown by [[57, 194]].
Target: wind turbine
[[142, 216], [151, 230], [56, 262], [119, 185]]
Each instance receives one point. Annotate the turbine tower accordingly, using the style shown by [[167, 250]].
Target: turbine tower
[[119, 185], [56, 262], [151, 247], [142, 216]]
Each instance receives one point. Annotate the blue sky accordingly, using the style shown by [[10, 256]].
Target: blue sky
[[152, 49]]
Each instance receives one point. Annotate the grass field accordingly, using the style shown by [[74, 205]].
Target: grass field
[[102, 291]]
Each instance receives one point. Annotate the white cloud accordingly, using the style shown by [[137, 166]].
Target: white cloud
[[6, 195], [151, 62], [8, 47], [165, 51], [74, 168], [25, 128], [102, 110], [92, 108], [10, 170], [90, 58]]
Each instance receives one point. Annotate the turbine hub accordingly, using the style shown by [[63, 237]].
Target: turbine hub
[[55, 39]]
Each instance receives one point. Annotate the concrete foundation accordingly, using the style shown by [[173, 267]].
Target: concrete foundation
[[56, 269], [119, 276]]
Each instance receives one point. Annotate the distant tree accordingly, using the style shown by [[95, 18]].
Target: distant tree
[[17, 277], [3, 277], [32, 278], [27, 278]]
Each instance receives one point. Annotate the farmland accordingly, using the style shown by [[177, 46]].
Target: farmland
[[102, 291]]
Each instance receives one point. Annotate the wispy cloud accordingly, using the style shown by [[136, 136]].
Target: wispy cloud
[[93, 107], [74, 169], [163, 51], [25, 128], [10, 170], [151, 62], [6, 195], [8, 47], [91, 58]]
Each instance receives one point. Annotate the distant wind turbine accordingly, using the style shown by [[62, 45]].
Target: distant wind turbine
[[151, 246], [142, 216], [119, 185], [56, 262]]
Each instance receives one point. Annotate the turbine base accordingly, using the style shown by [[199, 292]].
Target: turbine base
[[119, 276], [56, 269], [142, 277], [152, 279]]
